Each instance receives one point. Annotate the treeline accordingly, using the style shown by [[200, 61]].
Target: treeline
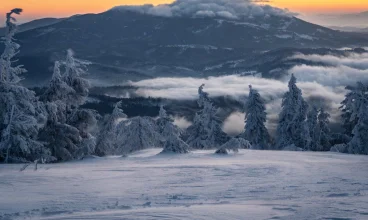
[[55, 125]]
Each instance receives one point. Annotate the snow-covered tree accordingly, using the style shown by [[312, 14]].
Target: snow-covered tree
[[350, 107], [170, 134], [359, 112], [107, 140], [234, 144], [206, 132], [18, 141], [57, 90], [75, 69], [8, 72], [358, 144], [174, 144], [292, 127], [203, 96], [312, 121], [69, 127], [166, 125], [85, 120], [21, 114], [136, 134], [255, 130], [324, 135]]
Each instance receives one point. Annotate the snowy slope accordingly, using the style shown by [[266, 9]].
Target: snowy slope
[[248, 185]]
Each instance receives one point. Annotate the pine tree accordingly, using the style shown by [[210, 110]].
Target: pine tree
[[255, 130], [312, 122], [68, 129], [166, 125], [75, 69], [206, 132], [324, 132], [175, 145], [85, 120], [107, 140], [136, 134], [350, 108], [21, 114], [358, 144], [57, 89], [292, 128], [8, 72], [170, 134]]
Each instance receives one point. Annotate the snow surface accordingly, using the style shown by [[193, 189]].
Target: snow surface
[[199, 185]]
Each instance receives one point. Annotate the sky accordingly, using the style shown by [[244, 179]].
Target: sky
[[62, 8]]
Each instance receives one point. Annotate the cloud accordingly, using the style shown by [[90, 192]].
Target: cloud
[[234, 124], [353, 60], [228, 9], [323, 86], [182, 122], [337, 70], [236, 87]]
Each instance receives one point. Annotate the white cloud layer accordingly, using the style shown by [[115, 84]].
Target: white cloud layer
[[228, 9], [182, 122], [234, 124], [322, 85]]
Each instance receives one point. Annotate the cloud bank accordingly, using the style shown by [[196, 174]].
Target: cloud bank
[[323, 86], [228, 9]]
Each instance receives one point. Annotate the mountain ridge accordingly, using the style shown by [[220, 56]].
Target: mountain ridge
[[133, 46]]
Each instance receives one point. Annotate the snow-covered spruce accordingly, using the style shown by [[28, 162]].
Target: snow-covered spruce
[[170, 134], [292, 128], [166, 126], [324, 132], [175, 145], [312, 121], [75, 69], [21, 114], [107, 140], [234, 144], [136, 134], [255, 118], [58, 89], [350, 107], [85, 120], [8, 72], [206, 132], [358, 144], [318, 125], [68, 132]]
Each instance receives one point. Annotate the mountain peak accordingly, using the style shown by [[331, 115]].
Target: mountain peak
[[233, 10]]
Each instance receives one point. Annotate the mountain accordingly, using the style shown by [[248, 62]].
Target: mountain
[[350, 29], [34, 24], [128, 45]]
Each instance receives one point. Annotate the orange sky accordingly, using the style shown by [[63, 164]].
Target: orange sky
[[60, 8]]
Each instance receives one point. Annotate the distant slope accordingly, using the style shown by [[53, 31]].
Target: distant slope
[[350, 29], [34, 24]]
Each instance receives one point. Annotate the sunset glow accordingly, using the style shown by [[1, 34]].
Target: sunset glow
[[57, 8]]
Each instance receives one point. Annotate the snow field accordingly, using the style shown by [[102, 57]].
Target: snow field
[[199, 185]]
